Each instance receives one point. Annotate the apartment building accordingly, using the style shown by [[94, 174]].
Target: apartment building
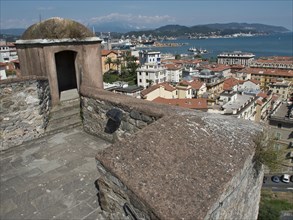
[[235, 57], [283, 88], [173, 72], [150, 74], [273, 63], [8, 52], [266, 76], [149, 57]]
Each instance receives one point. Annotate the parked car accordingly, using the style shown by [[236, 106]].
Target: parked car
[[291, 178], [275, 179], [285, 178], [264, 179]]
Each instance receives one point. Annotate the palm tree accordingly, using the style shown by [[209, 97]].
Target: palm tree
[[118, 63], [108, 61]]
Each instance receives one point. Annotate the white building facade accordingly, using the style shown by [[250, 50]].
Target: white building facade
[[150, 74], [235, 58]]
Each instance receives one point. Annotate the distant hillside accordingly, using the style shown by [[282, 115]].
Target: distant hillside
[[171, 30], [248, 27], [12, 31], [221, 29]]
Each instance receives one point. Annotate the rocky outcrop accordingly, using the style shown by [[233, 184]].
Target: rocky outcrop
[[24, 109]]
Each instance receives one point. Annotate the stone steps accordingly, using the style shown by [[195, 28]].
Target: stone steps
[[64, 116]]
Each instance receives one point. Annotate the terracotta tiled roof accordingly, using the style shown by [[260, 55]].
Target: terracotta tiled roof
[[229, 83], [217, 67], [275, 97], [107, 52], [280, 60], [172, 66], [196, 84], [199, 103], [166, 86], [259, 102], [254, 81], [8, 44], [262, 94], [274, 72]]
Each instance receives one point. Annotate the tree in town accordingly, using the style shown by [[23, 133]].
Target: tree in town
[[108, 61]]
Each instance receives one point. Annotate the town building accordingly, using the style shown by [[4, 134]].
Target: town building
[[249, 86], [235, 57], [149, 57], [266, 76], [173, 72], [150, 74], [281, 124], [283, 88], [163, 90], [198, 88], [273, 63], [130, 90], [2, 71], [108, 60], [7, 52], [184, 91]]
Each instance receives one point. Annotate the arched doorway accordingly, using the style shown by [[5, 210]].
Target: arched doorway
[[66, 72]]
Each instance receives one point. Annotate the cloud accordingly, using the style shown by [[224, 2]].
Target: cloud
[[133, 19]]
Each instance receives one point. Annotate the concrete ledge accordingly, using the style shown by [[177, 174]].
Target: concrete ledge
[[146, 107]]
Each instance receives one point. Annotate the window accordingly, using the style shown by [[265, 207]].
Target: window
[[279, 126], [140, 80], [146, 74]]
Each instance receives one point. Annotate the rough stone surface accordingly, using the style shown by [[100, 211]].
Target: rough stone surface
[[95, 119], [185, 164], [24, 109]]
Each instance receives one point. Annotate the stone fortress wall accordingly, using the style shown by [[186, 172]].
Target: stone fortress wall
[[219, 178], [165, 162], [24, 110]]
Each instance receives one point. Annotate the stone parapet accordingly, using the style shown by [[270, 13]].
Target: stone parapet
[[24, 109], [183, 165], [136, 113]]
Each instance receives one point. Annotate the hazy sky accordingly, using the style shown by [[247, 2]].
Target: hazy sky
[[22, 13]]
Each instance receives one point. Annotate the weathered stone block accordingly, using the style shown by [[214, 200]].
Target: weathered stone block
[[135, 115], [146, 118]]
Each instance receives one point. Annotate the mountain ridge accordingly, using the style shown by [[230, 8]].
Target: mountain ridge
[[176, 29]]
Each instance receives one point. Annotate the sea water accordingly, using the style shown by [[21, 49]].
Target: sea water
[[260, 46]]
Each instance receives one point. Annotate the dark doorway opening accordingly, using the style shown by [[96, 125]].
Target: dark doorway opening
[[66, 73]]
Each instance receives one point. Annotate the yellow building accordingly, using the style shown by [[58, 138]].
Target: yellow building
[[268, 76], [109, 55]]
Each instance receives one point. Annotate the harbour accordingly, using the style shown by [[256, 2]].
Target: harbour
[[261, 46]]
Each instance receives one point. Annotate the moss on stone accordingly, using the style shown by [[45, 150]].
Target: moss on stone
[[57, 28]]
